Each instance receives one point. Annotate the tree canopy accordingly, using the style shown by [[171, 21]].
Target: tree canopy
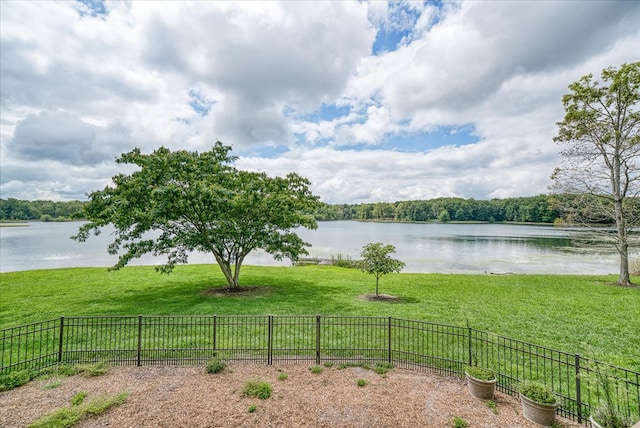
[[376, 260], [600, 134], [178, 202]]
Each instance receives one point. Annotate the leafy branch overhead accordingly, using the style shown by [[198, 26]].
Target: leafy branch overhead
[[179, 202]]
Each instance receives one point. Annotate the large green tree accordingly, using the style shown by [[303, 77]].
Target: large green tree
[[601, 138], [178, 202], [377, 261]]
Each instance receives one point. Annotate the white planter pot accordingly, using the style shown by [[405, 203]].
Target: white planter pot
[[541, 414], [483, 389]]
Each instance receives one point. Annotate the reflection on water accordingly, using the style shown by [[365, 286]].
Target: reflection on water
[[446, 248]]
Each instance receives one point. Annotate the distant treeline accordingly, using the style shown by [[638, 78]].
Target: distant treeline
[[15, 209], [535, 209]]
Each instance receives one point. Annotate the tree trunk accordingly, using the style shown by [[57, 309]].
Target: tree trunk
[[623, 246], [623, 250], [377, 278], [236, 271], [226, 270]]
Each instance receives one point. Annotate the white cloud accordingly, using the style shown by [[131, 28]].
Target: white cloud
[[80, 89]]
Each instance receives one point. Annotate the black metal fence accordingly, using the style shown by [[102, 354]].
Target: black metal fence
[[417, 345]]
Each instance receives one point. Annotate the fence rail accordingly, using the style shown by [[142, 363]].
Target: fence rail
[[417, 345]]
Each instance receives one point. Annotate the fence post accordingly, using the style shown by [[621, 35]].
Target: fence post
[[215, 325], [317, 339], [139, 339], [578, 392], [61, 341], [270, 341], [470, 357], [389, 347]]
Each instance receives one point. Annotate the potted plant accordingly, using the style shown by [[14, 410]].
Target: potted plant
[[482, 382], [539, 404]]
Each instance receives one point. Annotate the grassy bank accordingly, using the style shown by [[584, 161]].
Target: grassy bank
[[582, 314]]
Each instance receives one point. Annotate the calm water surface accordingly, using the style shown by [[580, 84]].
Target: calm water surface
[[445, 248]]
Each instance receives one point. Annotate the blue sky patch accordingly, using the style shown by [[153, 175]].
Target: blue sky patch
[[93, 8], [326, 112], [263, 151], [421, 141], [199, 104], [388, 40]]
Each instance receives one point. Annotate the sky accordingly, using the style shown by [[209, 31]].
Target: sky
[[372, 101]]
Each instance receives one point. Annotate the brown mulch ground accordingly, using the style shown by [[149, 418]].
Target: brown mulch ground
[[171, 396]]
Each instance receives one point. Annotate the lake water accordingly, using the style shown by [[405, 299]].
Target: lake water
[[444, 248]]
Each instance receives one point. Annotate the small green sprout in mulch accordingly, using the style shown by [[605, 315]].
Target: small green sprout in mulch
[[316, 369], [78, 399], [458, 422], [257, 388], [53, 385], [361, 364], [492, 405], [68, 416], [328, 364], [91, 370], [252, 408], [380, 367], [282, 376], [361, 382]]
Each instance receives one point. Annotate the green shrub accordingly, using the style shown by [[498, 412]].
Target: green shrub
[[20, 377], [342, 260], [316, 369], [215, 365], [382, 367], [610, 417], [257, 388], [537, 392], [15, 379]]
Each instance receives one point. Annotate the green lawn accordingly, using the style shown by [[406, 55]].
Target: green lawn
[[576, 314]]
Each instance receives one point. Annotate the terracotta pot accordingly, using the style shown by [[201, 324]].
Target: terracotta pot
[[480, 388], [541, 414]]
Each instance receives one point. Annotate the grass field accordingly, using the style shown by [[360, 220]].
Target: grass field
[[576, 314]]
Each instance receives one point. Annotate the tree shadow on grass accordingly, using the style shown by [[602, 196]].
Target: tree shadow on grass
[[387, 298], [197, 296], [241, 291]]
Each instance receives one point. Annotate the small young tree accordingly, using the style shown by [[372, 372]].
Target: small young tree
[[376, 260]]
